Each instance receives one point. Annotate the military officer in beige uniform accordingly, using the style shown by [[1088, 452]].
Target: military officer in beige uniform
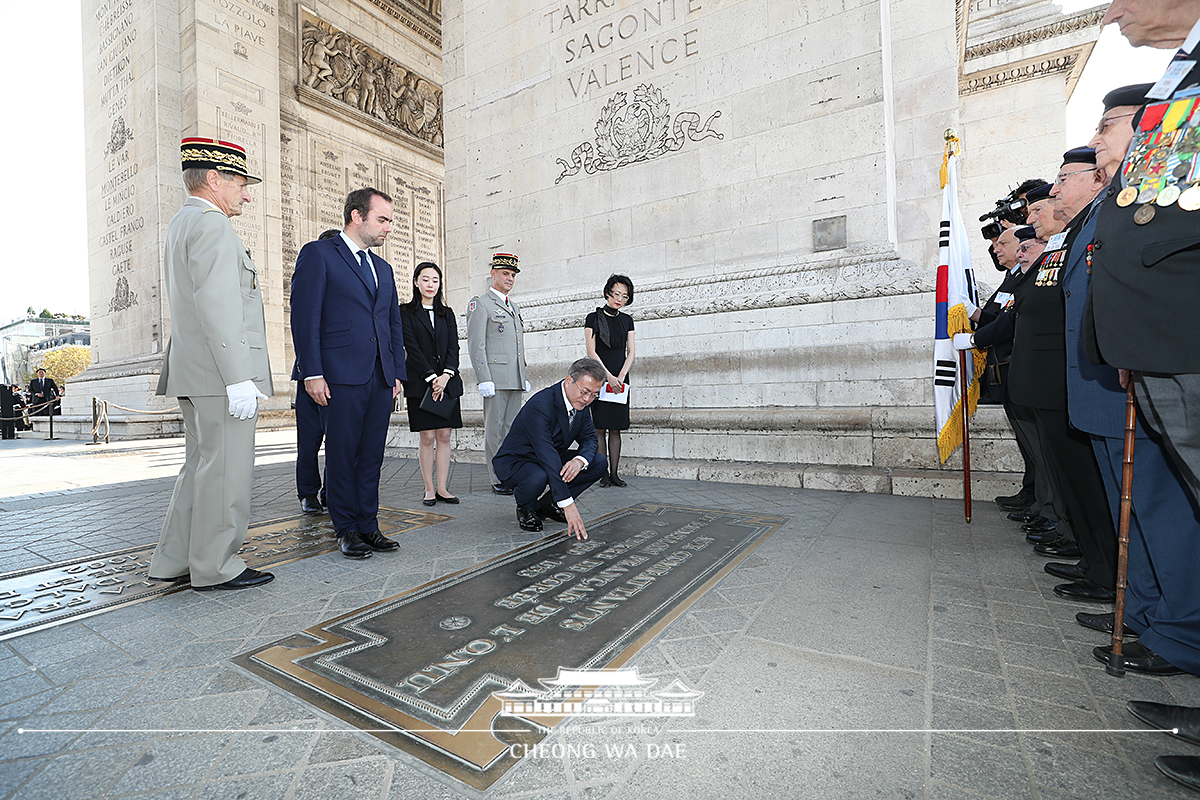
[[497, 345], [216, 364]]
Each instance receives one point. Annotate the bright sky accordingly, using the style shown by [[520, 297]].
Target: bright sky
[[46, 265]]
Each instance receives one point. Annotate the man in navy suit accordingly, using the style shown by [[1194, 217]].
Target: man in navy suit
[[537, 452], [350, 348]]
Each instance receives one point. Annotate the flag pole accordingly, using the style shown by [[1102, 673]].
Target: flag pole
[[966, 436]]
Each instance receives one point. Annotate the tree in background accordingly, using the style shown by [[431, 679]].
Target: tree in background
[[66, 362]]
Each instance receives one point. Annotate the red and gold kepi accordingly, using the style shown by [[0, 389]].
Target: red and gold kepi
[[504, 261], [198, 153]]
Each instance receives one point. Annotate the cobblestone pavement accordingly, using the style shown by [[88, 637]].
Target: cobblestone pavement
[[828, 658]]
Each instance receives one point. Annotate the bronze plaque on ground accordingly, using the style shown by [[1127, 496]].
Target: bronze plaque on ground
[[36, 598], [419, 669]]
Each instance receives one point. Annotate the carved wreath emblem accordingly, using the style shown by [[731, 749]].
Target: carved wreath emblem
[[120, 137], [639, 131]]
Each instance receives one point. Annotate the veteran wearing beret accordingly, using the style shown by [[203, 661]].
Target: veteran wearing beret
[[216, 365]]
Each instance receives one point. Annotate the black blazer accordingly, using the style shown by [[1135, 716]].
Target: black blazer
[[1145, 281], [1037, 374], [541, 434], [429, 350]]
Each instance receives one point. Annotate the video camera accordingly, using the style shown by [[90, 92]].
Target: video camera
[[1009, 208]]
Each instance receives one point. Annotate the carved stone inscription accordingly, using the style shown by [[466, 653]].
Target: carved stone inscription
[[250, 225], [120, 215], [603, 44], [336, 64], [336, 169]]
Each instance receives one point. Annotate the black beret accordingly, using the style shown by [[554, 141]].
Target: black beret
[[1041, 192], [1080, 155], [1133, 95], [1025, 233]]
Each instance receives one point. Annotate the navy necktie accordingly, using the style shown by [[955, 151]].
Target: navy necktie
[[362, 257]]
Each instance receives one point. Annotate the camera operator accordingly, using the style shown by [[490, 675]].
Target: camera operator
[[1010, 212]]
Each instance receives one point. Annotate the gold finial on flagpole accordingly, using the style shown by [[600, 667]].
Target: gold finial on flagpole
[[953, 147]]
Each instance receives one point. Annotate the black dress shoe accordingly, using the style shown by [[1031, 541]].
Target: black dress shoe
[[1138, 658], [1072, 572], [1039, 525], [353, 546], [1181, 721], [1181, 769], [616, 481], [248, 578], [429, 501], [528, 519], [1058, 548], [605, 482], [1102, 623], [1024, 517], [1038, 538], [311, 505], [184, 578], [378, 542], [1085, 591], [447, 499], [499, 488], [552, 511], [1014, 502]]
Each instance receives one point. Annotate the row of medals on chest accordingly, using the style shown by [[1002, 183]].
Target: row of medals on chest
[[1161, 168]]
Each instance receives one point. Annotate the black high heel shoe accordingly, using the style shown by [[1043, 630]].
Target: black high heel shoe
[[616, 481]]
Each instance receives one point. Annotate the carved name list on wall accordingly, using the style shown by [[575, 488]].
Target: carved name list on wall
[[338, 65], [624, 45], [627, 133]]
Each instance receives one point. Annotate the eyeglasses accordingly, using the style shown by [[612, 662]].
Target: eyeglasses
[[1062, 176], [1106, 123], [618, 295], [591, 395]]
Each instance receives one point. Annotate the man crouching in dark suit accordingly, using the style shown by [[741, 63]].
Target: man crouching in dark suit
[[535, 453], [350, 351]]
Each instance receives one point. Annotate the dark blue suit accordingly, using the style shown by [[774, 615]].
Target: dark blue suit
[[310, 433], [1163, 599], [348, 331], [538, 445]]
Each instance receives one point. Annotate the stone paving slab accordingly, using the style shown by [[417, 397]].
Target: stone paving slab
[[862, 612]]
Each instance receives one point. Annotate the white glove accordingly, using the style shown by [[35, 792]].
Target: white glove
[[487, 389], [243, 399], [962, 341], [527, 387]]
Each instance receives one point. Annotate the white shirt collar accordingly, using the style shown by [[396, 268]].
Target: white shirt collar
[[1193, 38], [354, 248], [495, 291], [566, 402]]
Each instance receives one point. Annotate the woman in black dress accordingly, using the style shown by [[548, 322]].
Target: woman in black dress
[[431, 360], [608, 335]]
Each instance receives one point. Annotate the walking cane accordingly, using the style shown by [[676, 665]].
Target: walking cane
[[966, 416], [1116, 664]]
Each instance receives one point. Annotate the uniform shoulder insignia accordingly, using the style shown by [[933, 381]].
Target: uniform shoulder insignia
[[474, 304]]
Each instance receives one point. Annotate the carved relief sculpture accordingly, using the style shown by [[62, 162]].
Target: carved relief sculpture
[[627, 133], [123, 297], [337, 65]]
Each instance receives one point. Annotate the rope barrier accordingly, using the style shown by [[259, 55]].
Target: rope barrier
[[139, 410]]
